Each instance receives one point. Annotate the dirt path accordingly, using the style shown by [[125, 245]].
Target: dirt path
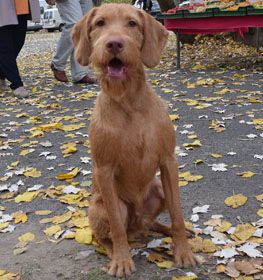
[[217, 109]]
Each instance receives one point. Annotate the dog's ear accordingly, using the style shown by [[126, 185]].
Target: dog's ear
[[155, 38], [81, 39]]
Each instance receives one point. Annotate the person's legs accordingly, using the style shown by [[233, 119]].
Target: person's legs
[[8, 66], [2, 75], [70, 12], [2, 81], [20, 34], [86, 5], [76, 69]]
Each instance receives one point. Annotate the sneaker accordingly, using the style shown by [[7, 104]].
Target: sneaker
[[21, 92], [59, 75], [2, 84]]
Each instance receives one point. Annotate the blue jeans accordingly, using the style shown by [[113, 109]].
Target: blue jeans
[[12, 39], [70, 12]]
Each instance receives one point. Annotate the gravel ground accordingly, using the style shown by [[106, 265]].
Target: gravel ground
[[214, 101]]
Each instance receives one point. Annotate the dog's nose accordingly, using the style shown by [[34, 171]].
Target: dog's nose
[[115, 45]]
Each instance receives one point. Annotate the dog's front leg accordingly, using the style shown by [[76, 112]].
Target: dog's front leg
[[121, 263], [169, 175]]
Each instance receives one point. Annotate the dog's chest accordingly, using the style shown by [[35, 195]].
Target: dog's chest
[[124, 139], [137, 137]]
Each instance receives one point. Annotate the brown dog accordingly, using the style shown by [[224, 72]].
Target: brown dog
[[131, 134]]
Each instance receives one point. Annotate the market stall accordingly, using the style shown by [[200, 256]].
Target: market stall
[[207, 18]]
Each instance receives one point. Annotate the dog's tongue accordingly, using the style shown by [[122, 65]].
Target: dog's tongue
[[116, 69]]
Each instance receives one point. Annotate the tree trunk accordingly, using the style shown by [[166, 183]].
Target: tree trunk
[[166, 4]]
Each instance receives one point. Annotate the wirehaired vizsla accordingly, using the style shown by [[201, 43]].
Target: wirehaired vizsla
[[131, 134]]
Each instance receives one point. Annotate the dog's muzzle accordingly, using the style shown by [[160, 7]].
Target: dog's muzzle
[[116, 69]]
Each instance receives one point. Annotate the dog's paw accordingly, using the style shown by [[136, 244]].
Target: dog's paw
[[183, 256], [121, 267]]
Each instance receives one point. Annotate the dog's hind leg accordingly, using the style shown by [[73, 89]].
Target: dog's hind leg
[[161, 228], [154, 204]]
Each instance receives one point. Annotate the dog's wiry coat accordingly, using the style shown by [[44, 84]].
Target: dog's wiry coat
[[131, 134]]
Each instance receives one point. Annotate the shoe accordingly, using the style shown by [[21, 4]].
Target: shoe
[[59, 75], [86, 80], [21, 92], [2, 84]]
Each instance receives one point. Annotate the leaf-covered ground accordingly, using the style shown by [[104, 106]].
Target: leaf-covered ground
[[215, 103]]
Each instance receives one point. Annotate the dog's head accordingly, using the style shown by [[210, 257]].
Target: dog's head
[[117, 39]]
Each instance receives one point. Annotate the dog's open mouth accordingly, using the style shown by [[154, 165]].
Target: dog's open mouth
[[116, 69]]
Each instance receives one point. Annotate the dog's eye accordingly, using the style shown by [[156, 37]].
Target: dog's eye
[[132, 23], [100, 23]]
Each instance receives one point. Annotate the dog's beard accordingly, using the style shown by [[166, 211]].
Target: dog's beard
[[117, 74], [115, 68]]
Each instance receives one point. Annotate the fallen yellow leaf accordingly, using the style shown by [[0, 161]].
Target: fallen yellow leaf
[[25, 152], [43, 212], [9, 276], [187, 176], [260, 212], [66, 176], [71, 198], [26, 197], [26, 237], [50, 126], [165, 264], [52, 230], [199, 66], [259, 197], [225, 226], [68, 149], [14, 164], [217, 126], [35, 132], [81, 222], [183, 183], [216, 155], [4, 225], [258, 121], [244, 231], [202, 245], [174, 117], [62, 218], [246, 174], [20, 217], [244, 278], [208, 246], [72, 127], [184, 278], [223, 91], [236, 201], [220, 268], [84, 235], [196, 143], [32, 172], [2, 272]]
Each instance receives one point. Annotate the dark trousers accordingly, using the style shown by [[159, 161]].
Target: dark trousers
[[12, 39]]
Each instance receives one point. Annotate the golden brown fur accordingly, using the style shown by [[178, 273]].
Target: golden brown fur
[[131, 135]]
